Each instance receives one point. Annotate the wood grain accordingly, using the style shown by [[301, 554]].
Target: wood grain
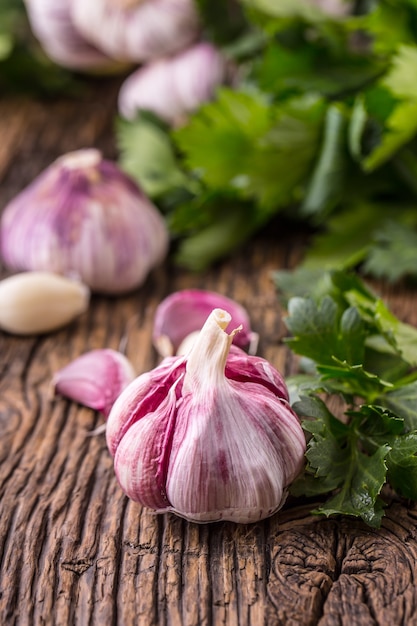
[[73, 549]]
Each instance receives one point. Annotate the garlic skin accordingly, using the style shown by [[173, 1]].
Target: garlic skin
[[83, 217], [174, 87], [34, 303], [95, 379], [52, 25], [139, 31], [181, 315], [209, 436]]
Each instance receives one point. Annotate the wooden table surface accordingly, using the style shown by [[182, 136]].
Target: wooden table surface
[[74, 550]]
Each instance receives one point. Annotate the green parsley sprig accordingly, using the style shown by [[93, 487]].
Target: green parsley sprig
[[359, 352], [319, 127]]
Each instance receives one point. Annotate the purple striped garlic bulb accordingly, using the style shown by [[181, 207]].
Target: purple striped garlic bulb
[[210, 435], [84, 218], [174, 87], [52, 25], [137, 30]]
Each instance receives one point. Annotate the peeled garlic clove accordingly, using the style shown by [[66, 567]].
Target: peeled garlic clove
[[33, 303], [207, 436], [139, 30], [95, 379], [84, 217], [174, 87], [55, 30], [180, 316]]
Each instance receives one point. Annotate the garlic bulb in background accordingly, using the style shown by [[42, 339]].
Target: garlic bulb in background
[[175, 86], [83, 217], [181, 315], [137, 30], [210, 435], [52, 25], [335, 8]]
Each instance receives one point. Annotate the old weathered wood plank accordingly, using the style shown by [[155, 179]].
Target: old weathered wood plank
[[74, 550]]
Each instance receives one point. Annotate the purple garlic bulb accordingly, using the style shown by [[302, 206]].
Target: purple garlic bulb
[[137, 30], [52, 24], [210, 435], [84, 218], [174, 87]]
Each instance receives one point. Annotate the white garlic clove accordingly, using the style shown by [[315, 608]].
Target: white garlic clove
[[33, 303], [209, 436], [95, 379], [141, 31], [176, 86], [182, 314], [84, 217]]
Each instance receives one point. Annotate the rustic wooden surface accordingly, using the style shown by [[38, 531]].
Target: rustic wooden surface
[[74, 550]]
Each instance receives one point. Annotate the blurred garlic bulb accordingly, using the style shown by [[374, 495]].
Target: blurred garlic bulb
[[83, 217], [335, 8], [210, 435], [52, 25], [175, 86], [138, 30]]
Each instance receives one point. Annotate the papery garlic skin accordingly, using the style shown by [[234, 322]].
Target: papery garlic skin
[[52, 25], [34, 303], [181, 315], [209, 436], [95, 379], [174, 87], [141, 31], [84, 217]]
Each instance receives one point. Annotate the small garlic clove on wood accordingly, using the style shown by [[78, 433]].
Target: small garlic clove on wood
[[181, 315], [95, 379], [33, 303]]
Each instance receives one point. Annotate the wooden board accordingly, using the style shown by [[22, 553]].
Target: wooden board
[[74, 550]]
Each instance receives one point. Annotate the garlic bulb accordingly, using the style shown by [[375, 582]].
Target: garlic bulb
[[209, 436], [181, 315], [139, 30], [84, 217], [95, 379], [32, 303], [335, 8], [52, 24], [176, 86]]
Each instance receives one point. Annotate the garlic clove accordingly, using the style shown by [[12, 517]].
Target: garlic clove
[[176, 86], [210, 435], [84, 217], [39, 302], [61, 41], [95, 379], [181, 315], [140, 31]]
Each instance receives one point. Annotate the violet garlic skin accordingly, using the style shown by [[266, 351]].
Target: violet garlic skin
[[208, 436], [95, 379], [83, 217], [174, 87], [181, 315], [137, 30]]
